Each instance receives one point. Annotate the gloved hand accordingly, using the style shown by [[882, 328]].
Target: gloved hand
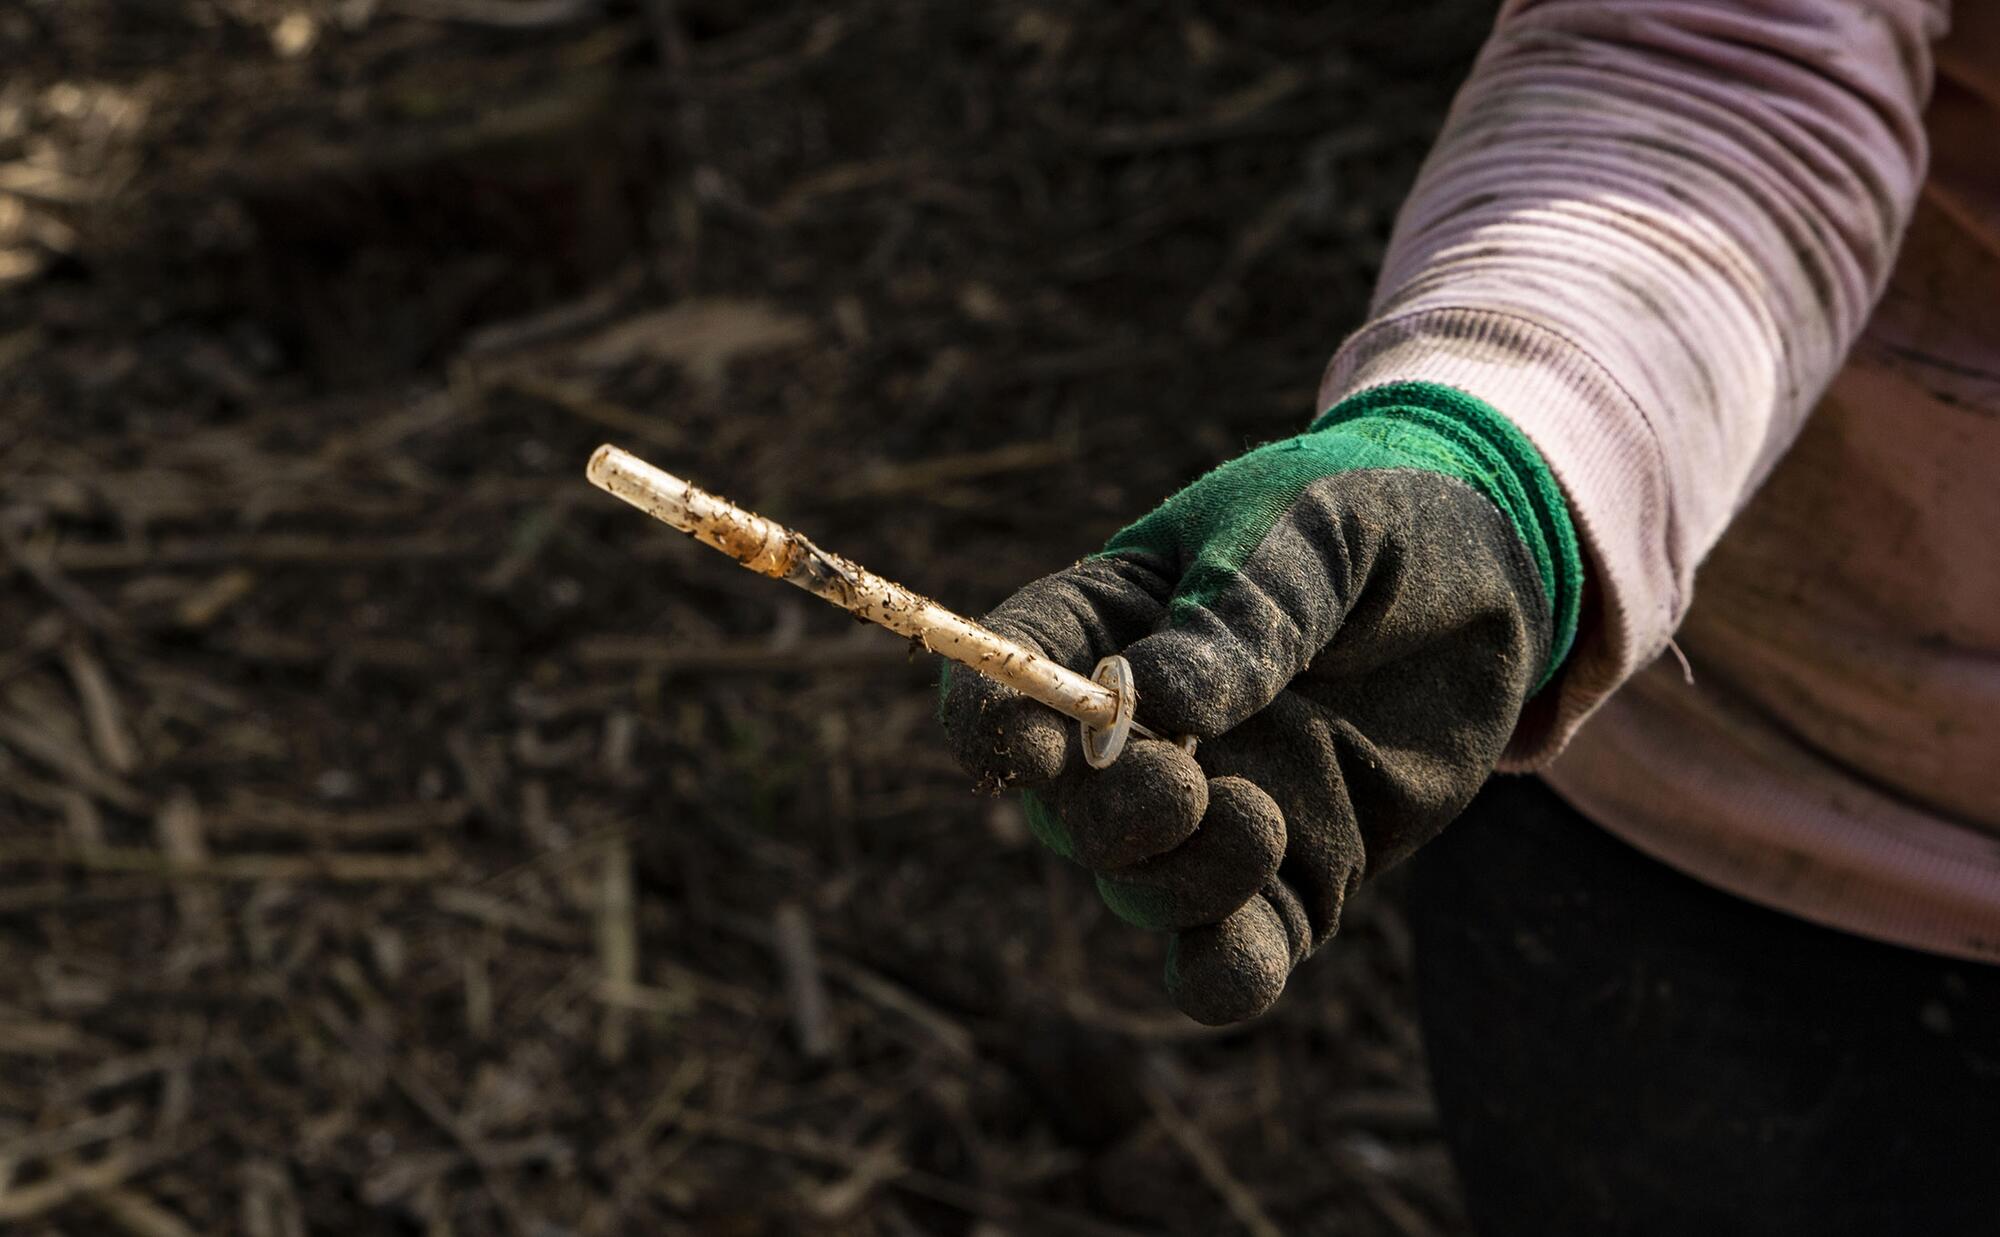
[[1349, 622]]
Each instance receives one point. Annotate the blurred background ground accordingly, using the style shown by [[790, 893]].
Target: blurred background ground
[[398, 836]]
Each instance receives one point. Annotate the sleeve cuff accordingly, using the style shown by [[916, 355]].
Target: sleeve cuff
[[1604, 454]]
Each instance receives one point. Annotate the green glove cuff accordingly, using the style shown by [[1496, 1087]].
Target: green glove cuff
[[1222, 518], [1448, 431]]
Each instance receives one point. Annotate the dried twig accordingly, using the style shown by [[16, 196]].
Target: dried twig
[[1209, 1162], [179, 829], [117, 1072], [103, 717], [617, 943], [503, 340], [916, 476], [1398, 1112], [1391, 1206], [246, 812], [64, 1139], [139, 1215], [668, 36], [509, 14], [46, 569], [273, 548], [361, 868], [270, 1203], [1248, 110], [970, 1199], [45, 744], [27, 1202], [507, 914], [585, 404], [806, 656], [73, 1181], [805, 990], [951, 1035]]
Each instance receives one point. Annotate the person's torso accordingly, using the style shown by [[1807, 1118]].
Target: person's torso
[[1856, 601], [1845, 634]]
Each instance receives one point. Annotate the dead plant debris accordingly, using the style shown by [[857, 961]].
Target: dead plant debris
[[396, 837]]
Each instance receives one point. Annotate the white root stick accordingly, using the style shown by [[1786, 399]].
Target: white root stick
[[1103, 704]]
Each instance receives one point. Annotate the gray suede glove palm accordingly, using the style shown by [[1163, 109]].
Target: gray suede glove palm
[[1349, 622]]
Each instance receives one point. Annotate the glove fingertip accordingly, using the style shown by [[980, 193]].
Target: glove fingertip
[[1000, 736], [1236, 848], [1145, 804], [1233, 970]]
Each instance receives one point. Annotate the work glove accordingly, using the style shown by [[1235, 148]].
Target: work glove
[[1347, 622]]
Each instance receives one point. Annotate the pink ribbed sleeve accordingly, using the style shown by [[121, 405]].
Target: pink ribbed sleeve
[[1648, 234]]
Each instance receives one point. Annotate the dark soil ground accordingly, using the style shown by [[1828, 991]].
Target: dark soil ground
[[399, 836]]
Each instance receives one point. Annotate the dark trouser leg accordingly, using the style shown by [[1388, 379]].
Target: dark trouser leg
[[1621, 1050]]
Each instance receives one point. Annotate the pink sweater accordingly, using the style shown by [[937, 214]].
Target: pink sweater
[[1692, 248]]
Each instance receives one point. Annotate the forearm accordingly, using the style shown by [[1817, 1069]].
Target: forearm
[[1648, 234]]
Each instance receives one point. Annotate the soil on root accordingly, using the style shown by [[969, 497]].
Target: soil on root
[[403, 837]]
